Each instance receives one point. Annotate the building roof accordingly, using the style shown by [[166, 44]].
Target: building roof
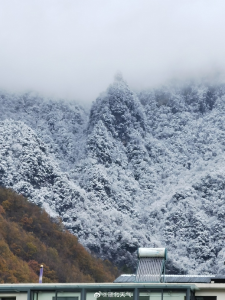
[[78, 287], [129, 278]]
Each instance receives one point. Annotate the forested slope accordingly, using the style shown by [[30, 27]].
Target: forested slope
[[142, 169], [29, 237]]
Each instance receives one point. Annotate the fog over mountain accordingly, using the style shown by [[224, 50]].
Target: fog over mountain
[[71, 49], [134, 162], [138, 169]]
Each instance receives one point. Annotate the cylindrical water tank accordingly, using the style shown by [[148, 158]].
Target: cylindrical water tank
[[152, 252]]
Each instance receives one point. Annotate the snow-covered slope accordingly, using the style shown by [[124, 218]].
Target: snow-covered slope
[[58, 124], [143, 169]]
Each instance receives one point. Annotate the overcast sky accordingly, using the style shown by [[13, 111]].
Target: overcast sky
[[73, 48]]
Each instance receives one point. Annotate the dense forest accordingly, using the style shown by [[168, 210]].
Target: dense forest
[[140, 169], [30, 237]]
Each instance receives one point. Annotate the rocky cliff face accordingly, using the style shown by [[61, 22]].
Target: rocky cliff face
[[142, 169]]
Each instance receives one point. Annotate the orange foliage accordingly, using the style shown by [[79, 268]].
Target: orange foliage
[[2, 211], [28, 238]]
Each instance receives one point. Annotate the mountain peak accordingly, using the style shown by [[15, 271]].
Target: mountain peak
[[120, 111], [118, 77]]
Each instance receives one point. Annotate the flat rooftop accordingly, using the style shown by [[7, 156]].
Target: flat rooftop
[[131, 278]]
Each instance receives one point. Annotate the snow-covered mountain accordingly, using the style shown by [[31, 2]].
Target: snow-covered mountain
[[140, 169]]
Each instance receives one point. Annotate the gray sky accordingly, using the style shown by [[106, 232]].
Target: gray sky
[[73, 48]]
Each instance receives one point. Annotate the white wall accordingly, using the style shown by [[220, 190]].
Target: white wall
[[19, 296], [166, 295], [49, 296], [220, 294]]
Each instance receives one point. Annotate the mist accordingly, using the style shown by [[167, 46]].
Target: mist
[[72, 49]]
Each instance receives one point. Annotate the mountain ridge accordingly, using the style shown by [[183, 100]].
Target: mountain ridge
[[134, 170]]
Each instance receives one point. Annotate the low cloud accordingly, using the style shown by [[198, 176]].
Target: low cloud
[[72, 49]]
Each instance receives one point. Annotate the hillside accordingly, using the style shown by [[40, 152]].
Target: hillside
[[29, 237], [143, 169]]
